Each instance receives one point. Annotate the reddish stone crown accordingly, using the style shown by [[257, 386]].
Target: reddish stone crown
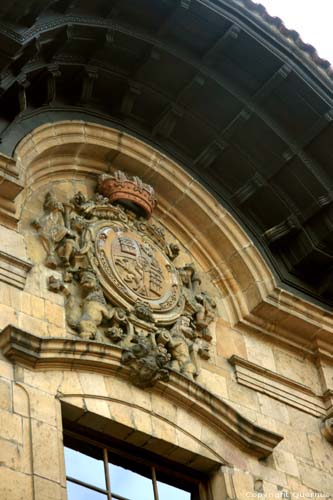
[[128, 190]]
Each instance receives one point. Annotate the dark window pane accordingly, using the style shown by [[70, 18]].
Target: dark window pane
[[85, 468], [77, 492], [166, 492], [129, 484]]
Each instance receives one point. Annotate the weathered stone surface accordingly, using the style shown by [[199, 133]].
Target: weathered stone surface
[[272, 408], [260, 352], [316, 479], [15, 485], [46, 461], [177, 423], [48, 490], [286, 462], [11, 427], [5, 395]]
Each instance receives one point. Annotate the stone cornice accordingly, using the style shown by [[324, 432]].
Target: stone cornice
[[292, 320], [69, 353], [13, 270], [278, 387]]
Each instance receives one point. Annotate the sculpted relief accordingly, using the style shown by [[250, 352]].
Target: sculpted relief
[[120, 282]]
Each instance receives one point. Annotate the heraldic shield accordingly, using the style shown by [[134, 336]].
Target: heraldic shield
[[133, 268]]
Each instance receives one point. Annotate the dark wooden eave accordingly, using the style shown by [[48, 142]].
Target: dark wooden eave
[[217, 85]]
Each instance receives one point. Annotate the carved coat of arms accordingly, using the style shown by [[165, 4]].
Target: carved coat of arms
[[120, 280]]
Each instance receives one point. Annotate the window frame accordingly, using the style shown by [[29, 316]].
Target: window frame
[[123, 454]]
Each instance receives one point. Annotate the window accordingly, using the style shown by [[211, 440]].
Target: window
[[97, 472]]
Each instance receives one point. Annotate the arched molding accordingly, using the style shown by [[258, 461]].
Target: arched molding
[[79, 150], [251, 298]]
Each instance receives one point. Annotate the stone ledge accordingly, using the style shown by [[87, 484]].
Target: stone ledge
[[13, 270], [278, 387], [68, 353]]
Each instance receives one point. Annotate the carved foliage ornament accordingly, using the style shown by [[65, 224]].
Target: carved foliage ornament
[[120, 281]]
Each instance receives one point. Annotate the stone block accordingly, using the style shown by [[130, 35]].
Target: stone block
[[25, 305], [298, 490], [229, 342], [11, 426], [242, 396], [142, 422], [303, 422], [321, 451], [11, 455], [15, 485], [286, 462], [45, 380], [260, 352], [214, 383], [7, 316], [316, 479], [92, 384], [121, 414], [164, 408], [6, 369], [20, 401], [163, 430], [5, 395], [47, 490], [98, 407], [38, 307], [43, 407], [267, 469], [32, 325], [69, 383], [299, 369], [14, 295], [56, 331], [243, 484], [118, 389], [189, 422], [274, 409], [55, 314], [12, 243], [294, 441], [46, 450]]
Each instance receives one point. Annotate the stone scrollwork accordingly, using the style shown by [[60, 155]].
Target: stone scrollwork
[[119, 280]]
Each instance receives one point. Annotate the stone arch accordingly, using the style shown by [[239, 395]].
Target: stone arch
[[77, 150]]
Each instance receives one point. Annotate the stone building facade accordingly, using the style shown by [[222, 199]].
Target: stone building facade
[[249, 420], [138, 315]]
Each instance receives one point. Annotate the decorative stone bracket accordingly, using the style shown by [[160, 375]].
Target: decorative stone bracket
[[64, 353]]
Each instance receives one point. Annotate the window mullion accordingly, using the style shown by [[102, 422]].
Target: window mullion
[[153, 473], [107, 474]]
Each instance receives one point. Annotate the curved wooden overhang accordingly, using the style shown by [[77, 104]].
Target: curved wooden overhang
[[242, 107], [63, 353]]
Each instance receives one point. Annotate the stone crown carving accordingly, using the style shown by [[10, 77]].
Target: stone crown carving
[[129, 191]]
